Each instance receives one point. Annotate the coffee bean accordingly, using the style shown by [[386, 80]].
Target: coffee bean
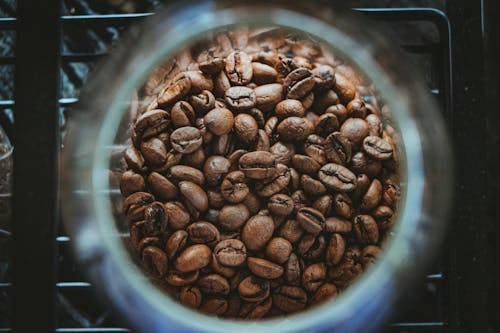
[[362, 184], [151, 123], [366, 229], [155, 261], [214, 284], [280, 204], [255, 310], [298, 83], [338, 225], [278, 250], [335, 250], [312, 186], [377, 148], [193, 258], [291, 231], [327, 291], [254, 289], [177, 89], [289, 108], [305, 164], [202, 102], [154, 151], [342, 205], [179, 279], [182, 114], [215, 168], [178, 217], [324, 76], [326, 99], [217, 267], [210, 64], [337, 177], [370, 254], [361, 163], [293, 270], [253, 203], [175, 243], [275, 184], [240, 98], [246, 128], [338, 149], [161, 186], [231, 252], [268, 95], [339, 110], [344, 88], [182, 172], [311, 220], [134, 159], [234, 188], [131, 182], [311, 247], [239, 68], [314, 147], [283, 152], [135, 204], [357, 108], [155, 219], [219, 121], [375, 127], [264, 268], [263, 74], [190, 296], [384, 216], [186, 140], [290, 299], [199, 81], [203, 232], [214, 306], [372, 196], [355, 130], [148, 241], [324, 204], [257, 231], [258, 165], [295, 129], [194, 195], [314, 276]]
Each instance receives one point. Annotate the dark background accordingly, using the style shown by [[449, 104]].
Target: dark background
[[461, 291]]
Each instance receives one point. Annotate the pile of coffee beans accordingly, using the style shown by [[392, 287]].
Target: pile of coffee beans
[[260, 177]]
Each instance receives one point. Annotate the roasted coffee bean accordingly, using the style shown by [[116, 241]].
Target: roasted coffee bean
[[312, 186], [305, 164], [199, 81], [298, 83], [182, 172], [342, 205], [267, 96], [294, 129], [324, 204], [278, 250], [202, 102], [177, 89], [289, 108], [361, 163], [355, 130], [212, 215], [217, 267], [155, 218], [246, 128], [384, 216], [339, 110], [221, 84], [299, 200], [173, 158], [234, 304], [196, 159], [289, 298], [327, 291], [182, 114], [135, 204], [210, 64], [214, 284], [258, 116], [194, 195], [326, 124], [344, 88], [362, 184], [338, 225], [232, 217], [148, 241], [175, 243], [263, 74], [131, 182], [215, 168], [186, 140], [190, 296], [219, 121], [240, 98], [280, 204], [311, 220], [377, 148], [203, 232], [338, 148], [372, 196], [325, 99], [234, 188], [254, 289], [262, 142], [324, 76], [258, 165], [271, 126], [206, 135], [253, 203], [366, 229], [234, 158], [314, 147], [155, 261], [215, 306], [231, 252], [370, 254], [314, 276], [357, 108], [293, 270], [178, 217], [311, 247], [154, 151], [375, 127], [151, 123], [335, 250], [283, 152], [193, 258], [291, 231], [294, 181], [264, 268], [134, 159], [337, 177], [257, 231], [239, 68], [255, 310], [275, 184]]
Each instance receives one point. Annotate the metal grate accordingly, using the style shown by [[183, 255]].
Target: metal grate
[[433, 307]]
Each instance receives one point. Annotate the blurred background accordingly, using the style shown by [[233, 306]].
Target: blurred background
[[450, 42]]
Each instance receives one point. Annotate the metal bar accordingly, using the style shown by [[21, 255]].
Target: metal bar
[[36, 93]]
